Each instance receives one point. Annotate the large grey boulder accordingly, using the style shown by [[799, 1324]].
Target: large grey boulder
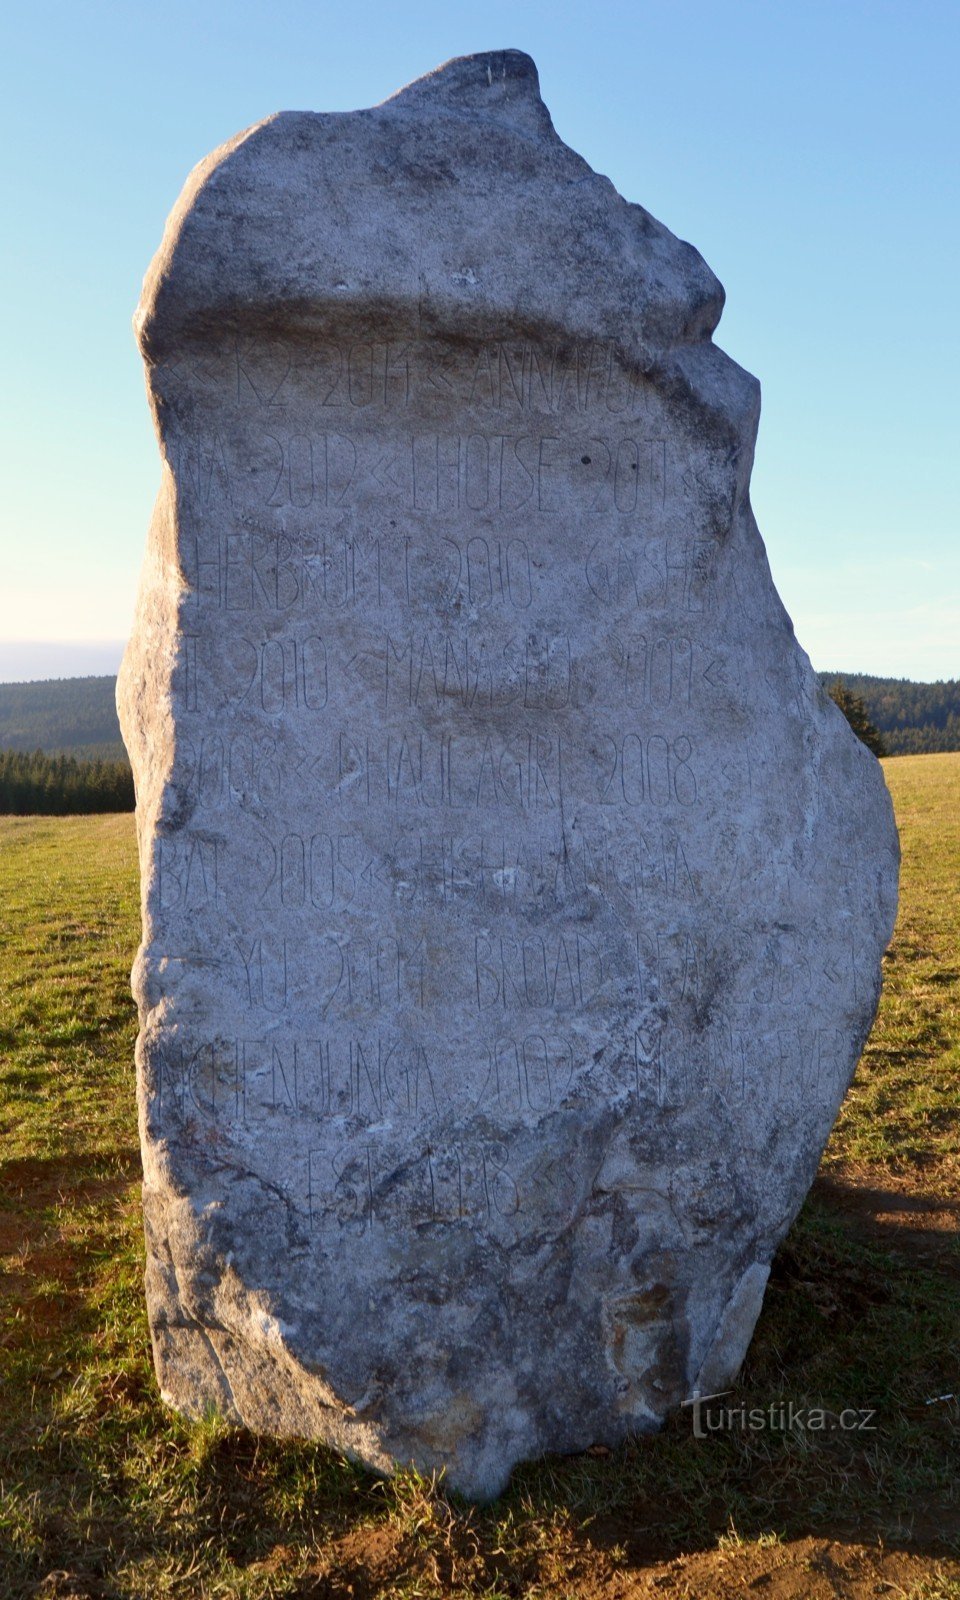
[[513, 898]]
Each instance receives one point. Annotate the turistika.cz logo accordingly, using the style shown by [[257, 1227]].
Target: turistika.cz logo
[[780, 1416]]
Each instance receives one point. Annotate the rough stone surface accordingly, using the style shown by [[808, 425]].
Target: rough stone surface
[[513, 899]]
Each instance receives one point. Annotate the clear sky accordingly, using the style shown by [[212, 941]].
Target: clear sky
[[808, 148]]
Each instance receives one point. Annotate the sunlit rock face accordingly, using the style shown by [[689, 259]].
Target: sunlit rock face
[[513, 899]]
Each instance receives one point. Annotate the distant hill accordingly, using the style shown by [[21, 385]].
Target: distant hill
[[914, 718], [62, 716], [77, 716]]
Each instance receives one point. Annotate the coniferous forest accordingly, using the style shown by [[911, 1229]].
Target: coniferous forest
[[913, 718], [34, 784]]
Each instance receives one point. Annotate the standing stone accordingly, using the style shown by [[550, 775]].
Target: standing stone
[[513, 898]]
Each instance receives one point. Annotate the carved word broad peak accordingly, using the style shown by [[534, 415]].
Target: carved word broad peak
[[513, 899]]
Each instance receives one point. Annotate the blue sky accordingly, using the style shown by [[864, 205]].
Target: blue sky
[[808, 149]]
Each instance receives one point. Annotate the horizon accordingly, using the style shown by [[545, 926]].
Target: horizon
[[109, 646]]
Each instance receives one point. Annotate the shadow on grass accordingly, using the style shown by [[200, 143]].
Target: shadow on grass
[[912, 1227], [126, 1498], [53, 1212]]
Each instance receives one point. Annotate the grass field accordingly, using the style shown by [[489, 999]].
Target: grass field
[[105, 1493]]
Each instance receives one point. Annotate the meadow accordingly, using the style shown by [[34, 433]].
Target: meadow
[[105, 1493]]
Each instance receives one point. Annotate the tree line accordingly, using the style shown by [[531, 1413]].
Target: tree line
[[911, 718], [33, 784]]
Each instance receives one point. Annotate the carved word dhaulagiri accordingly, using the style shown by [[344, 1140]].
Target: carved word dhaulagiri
[[513, 898]]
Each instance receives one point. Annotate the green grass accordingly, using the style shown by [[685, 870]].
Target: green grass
[[104, 1492], [902, 1109]]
